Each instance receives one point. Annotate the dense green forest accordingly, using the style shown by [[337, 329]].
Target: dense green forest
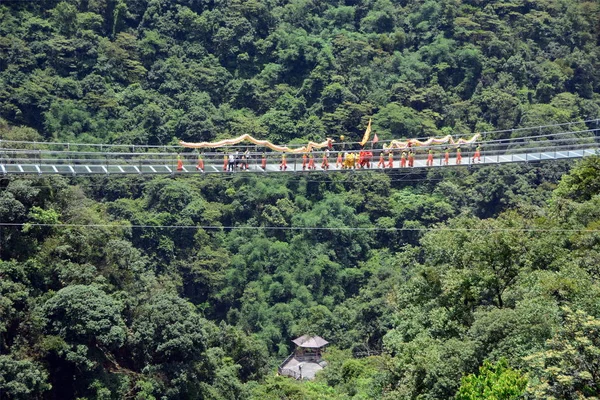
[[473, 283]]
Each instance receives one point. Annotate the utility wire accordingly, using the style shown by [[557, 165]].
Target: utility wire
[[296, 228]]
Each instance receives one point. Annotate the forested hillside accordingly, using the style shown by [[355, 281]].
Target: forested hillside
[[471, 282]]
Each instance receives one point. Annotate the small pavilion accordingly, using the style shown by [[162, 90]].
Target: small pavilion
[[309, 347], [306, 360]]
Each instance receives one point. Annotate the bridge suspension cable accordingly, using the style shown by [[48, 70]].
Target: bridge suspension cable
[[43, 159]]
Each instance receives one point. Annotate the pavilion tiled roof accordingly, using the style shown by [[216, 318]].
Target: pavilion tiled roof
[[313, 342]]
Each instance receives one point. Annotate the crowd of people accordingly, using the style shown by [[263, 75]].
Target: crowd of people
[[345, 160]]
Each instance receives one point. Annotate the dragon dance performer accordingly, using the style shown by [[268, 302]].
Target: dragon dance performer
[[283, 165], [403, 160], [311, 162], [391, 160], [200, 165], [179, 163], [304, 161], [349, 161], [225, 162], [325, 163], [246, 160], [364, 159], [411, 158], [477, 154], [458, 156], [430, 158], [381, 163], [446, 155], [263, 162], [339, 162]]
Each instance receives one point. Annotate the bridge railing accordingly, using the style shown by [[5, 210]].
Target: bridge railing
[[506, 134], [47, 154]]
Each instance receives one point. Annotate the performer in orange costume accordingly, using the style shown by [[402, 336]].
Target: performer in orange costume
[[311, 162], [403, 160], [339, 162], [304, 159], [446, 156], [477, 154], [263, 163], [391, 160], [200, 166], [283, 165], [225, 162], [430, 158], [458, 156], [411, 158], [325, 163], [381, 161], [179, 163]]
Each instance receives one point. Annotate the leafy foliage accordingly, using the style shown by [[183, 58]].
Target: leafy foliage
[[455, 274], [496, 381]]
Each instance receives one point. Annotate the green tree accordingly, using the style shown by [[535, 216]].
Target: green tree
[[85, 315], [22, 379], [568, 367], [494, 381]]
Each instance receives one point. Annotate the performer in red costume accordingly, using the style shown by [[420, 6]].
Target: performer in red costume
[[477, 154], [364, 158], [311, 162], [325, 163]]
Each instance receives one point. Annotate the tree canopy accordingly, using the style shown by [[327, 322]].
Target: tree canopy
[[465, 282]]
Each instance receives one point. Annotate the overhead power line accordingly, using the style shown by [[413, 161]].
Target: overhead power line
[[299, 228]]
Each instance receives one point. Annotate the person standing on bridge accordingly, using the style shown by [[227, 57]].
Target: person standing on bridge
[[231, 164], [225, 162], [246, 160], [200, 165], [263, 162], [381, 163], [283, 165], [325, 163], [403, 160], [339, 163], [411, 158], [311, 161], [304, 161], [458, 156], [477, 154], [391, 160], [179, 163], [446, 155], [430, 158]]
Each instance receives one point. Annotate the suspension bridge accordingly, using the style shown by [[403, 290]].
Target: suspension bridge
[[566, 141]]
